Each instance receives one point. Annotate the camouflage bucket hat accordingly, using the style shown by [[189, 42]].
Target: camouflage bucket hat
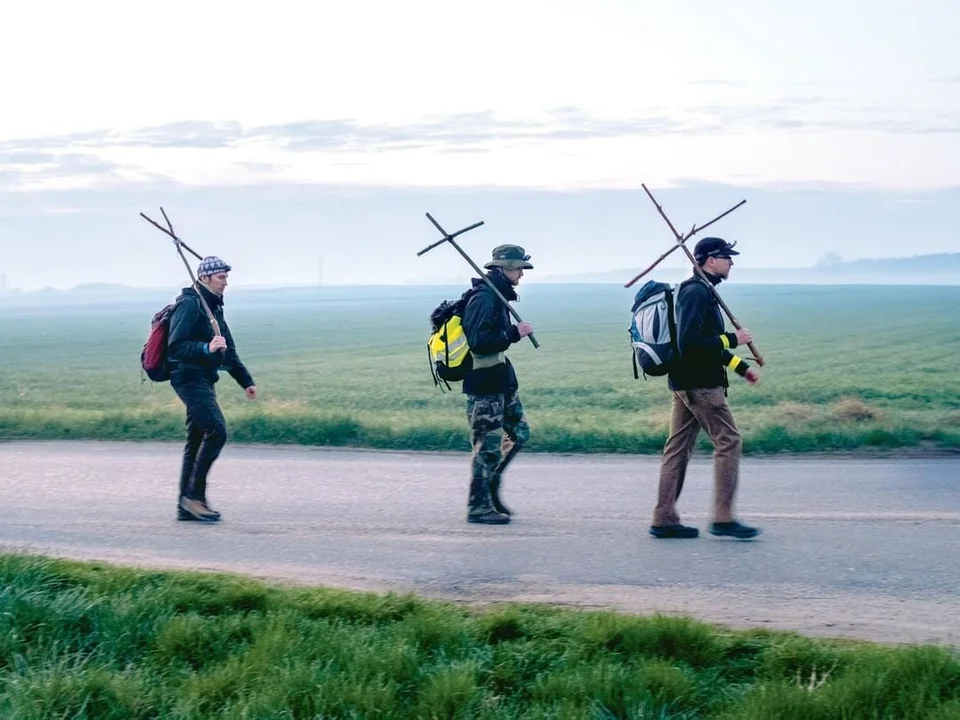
[[509, 257]]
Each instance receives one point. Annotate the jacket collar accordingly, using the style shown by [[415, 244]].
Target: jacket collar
[[212, 299], [714, 279], [500, 282]]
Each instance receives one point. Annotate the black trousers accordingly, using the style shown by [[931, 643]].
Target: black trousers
[[206, 433]]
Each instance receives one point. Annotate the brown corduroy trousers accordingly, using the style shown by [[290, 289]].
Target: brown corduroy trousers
[[692, 410]]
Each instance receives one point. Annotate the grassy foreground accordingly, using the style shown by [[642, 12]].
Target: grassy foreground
[[847, 368], [93, 641]]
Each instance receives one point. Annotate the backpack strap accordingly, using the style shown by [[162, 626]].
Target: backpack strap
[[437, 380]]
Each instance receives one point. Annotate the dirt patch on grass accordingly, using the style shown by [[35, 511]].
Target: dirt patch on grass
[[854, 410], [794, 412]]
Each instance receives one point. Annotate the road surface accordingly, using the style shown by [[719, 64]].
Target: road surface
[[863, 548]]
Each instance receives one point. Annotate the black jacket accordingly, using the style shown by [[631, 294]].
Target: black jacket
[[486, 323], [702, 340], [190, 331]]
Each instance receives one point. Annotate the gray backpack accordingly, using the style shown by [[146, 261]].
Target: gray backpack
[[653, 329]]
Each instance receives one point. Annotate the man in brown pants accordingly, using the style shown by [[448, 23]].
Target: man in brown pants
[[698, 381]]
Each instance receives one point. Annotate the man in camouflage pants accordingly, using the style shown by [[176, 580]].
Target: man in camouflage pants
[[498, 426]]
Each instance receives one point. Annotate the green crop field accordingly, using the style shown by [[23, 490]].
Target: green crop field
[[847, 367]]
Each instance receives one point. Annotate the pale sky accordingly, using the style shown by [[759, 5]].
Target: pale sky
[[104, 99]]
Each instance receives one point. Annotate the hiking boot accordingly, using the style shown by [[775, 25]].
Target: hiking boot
[[190, 509], [495, 497], [674, 531], [734, 529], [488, 517]]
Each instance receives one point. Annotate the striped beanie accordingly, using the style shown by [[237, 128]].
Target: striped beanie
[[211, 266]]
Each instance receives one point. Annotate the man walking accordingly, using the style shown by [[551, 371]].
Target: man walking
[[196, 355], [698, 381], [498, 426]]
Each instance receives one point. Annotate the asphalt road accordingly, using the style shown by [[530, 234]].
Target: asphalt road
[[864, 548]]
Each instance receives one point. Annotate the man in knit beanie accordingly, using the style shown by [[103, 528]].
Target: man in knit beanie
[[196, 354]]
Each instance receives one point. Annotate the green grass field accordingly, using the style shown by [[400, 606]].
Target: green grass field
[[848, 367], [90, 641]]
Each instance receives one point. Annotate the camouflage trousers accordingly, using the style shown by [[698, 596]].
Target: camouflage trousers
[[498, 430]]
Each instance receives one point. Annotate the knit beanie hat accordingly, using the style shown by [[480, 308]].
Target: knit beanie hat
[[211, 266]]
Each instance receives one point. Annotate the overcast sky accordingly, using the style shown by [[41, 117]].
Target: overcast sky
[[304, 141]]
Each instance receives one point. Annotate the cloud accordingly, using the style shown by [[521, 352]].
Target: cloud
[[473, 130], [95, 138], [350, 135], [24, 157], [363, 152], [479, 130], [314, 134], [186, 134], [20, 166]]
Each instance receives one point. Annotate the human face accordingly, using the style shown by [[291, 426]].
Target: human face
[[514, 275], [719, 266], [216, 283]]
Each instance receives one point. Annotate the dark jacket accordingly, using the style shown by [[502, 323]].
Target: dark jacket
[[703, 343], [190, 331], [486, 323]]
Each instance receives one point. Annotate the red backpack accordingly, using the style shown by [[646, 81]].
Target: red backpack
[[153, 357]]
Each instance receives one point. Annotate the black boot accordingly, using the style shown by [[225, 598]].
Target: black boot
[[495, 483], [480, 508]]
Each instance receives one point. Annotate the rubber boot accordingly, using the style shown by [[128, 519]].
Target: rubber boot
[[480, 508], [495, 483]]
